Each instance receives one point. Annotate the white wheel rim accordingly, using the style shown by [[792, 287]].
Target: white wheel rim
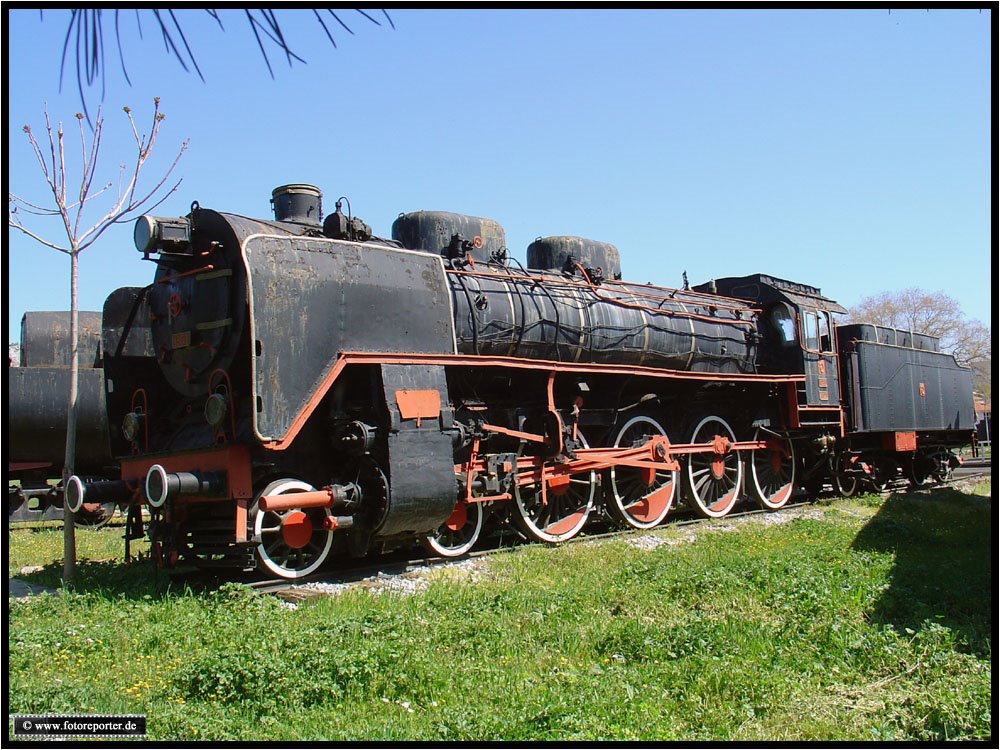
[[768, 497], [618, 498], [161, 498], [541, 534], [444, 550], [266, 549], [701, 479]]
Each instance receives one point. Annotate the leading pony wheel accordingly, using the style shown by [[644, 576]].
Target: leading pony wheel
[[713, 478], [292, 543], [639, 497], [772, 471]]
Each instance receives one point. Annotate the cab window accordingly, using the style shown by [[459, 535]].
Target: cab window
[[811, 321], [784, 324], [825, 331]]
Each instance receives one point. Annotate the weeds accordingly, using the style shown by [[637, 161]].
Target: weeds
[[871, 621]]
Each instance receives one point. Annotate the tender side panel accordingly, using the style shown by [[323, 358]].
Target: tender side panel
[[312, 299], [910, 389]]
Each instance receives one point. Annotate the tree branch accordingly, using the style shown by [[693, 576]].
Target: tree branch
[[86, 27]]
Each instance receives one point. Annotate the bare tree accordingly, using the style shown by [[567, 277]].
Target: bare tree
[[68, 207], [983, 380], [937, 314]]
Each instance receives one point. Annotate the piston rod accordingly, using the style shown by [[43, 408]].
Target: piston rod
[[341, 495]]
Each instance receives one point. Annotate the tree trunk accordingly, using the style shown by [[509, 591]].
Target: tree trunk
[[69, 521]]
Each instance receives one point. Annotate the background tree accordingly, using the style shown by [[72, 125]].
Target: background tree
[[74, 210], [937, 314]]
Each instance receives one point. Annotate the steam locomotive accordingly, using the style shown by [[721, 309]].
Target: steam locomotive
[[296, 389]]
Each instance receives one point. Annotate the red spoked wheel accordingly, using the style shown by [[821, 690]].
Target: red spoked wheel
[[291, 543], [639, 497], [713, 479], [561, 511], [772, 471]]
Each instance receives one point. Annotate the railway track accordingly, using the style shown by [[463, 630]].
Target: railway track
[[395, 565], [400, 563], [403, 562]]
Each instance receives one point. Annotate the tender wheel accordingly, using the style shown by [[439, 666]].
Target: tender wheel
[[560, 512], [883, 472], [712, 480], [640, 498], [458, 533], [772, 471], [943, 470], [294, 542], [920, 471]]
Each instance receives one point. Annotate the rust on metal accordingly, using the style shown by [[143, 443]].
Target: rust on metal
[[242, 512], [192, 272]]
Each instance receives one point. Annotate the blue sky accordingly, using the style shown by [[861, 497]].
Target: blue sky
[[847, 149]]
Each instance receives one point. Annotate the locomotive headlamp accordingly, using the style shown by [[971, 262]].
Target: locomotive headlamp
[[131, 425], [153, 234], [215, 410]]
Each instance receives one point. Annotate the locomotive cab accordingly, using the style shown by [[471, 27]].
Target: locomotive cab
[[797, 336]]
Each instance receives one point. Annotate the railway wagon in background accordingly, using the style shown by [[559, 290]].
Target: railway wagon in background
[[37, 404], [290, 390]]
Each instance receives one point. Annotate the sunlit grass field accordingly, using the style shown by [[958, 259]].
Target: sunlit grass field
[[868, 619]]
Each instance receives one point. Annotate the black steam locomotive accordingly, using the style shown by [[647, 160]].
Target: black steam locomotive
[[288, 390]]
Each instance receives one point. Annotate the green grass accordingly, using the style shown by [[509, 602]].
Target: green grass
[[870, 621]]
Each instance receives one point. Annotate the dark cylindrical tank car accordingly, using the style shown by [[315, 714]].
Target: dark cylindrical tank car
[[37, 405]]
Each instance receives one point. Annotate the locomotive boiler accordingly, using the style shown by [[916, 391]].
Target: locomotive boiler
[[297, 388]]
